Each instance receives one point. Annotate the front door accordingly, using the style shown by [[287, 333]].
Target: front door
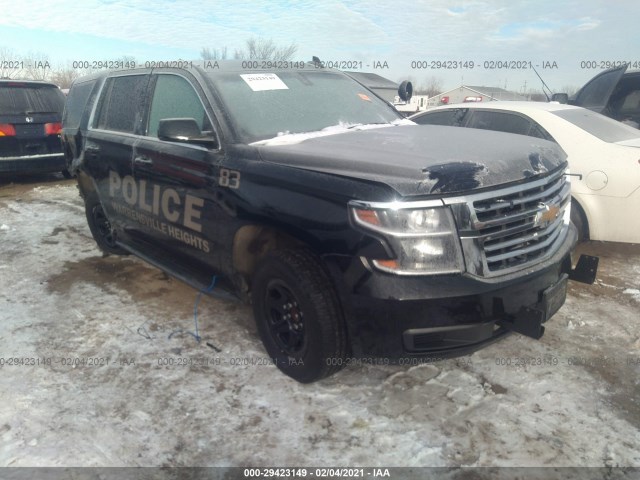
[[178, 181]]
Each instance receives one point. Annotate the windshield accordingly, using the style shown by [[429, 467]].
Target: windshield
[[605, 128], [265, 105], [20, 99]]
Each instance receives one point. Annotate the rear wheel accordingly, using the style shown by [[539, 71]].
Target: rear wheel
[[100, 226], [298, 315]]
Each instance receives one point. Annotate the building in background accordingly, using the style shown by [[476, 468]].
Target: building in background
[[418, 103], [466, 93]]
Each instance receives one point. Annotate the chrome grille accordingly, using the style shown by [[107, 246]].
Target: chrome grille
[[513, 228]]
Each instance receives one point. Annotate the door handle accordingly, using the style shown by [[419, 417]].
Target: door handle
[[92, 151], [143, 160]]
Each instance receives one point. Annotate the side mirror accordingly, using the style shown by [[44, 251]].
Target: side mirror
[[405, 91], [560, 97], [184, 130]]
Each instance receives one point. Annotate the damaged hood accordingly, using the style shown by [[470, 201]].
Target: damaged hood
[[423, 159]]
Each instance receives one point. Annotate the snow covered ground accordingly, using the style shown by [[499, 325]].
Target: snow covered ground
[[97, 381]]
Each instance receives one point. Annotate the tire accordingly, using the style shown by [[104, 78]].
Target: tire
[[580, 222], [100, 226], [311, 343]]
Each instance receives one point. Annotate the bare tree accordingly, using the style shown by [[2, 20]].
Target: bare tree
[[266, 49], [207, 53], [37, 66], [256, 49], [65, 75], [571, 90], [11, 64], [431, 86]]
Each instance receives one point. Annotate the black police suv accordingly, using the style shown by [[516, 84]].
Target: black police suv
[[30, 125], [353, 232]]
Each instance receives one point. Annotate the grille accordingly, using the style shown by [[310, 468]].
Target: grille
[[514, 229]]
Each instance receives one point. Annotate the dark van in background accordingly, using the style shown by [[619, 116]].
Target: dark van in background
[[30, 127], [614, 93]]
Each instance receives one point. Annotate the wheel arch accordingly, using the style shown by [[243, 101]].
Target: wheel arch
[[585, 233], [252, 242]]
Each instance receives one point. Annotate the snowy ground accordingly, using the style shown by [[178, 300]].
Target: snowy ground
[[132, 401]]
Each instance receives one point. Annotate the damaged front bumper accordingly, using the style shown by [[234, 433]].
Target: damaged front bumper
[[438, 317]]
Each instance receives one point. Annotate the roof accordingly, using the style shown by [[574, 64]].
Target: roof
[[489, 90], [214, 67], [516, 106], [373, 80], [493, 92], [27, 82]]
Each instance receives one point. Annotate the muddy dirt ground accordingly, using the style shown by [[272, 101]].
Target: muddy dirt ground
[[90, 377]]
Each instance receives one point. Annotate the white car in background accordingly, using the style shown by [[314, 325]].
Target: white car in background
[[603, 154]]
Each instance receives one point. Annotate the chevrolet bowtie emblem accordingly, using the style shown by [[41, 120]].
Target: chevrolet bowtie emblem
[[546, 214]]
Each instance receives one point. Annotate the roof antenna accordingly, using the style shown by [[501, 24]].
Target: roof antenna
[[543, 84]]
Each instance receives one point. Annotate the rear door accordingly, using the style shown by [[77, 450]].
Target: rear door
[[77, 110], [596, 92], [108, 152]]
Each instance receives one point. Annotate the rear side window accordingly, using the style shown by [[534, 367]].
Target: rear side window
[[174, 97], [76, 104], [631, 103], [120, 103], [18, 98], [605, 128], [444, 117], [499, 121]]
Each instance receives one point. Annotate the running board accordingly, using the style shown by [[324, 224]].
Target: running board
[[200, 282]]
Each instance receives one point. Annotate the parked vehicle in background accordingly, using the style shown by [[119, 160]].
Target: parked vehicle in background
[[30, 127], [614, 93], [353, 232], [604, 157]]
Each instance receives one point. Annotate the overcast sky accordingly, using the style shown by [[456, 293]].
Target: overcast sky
[[568, 33]]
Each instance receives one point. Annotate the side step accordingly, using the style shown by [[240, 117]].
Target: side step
[[198, 280]]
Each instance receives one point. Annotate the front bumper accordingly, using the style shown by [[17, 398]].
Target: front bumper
[[443, 316], [45, 163]]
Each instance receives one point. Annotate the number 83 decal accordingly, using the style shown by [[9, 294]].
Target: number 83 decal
[[229, 178]]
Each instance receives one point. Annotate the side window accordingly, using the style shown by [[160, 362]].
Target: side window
[[76, 103], [539, 132], [119, 105], [596, 93], [451, 117], [500, 122], [631, 103], [174, 97]]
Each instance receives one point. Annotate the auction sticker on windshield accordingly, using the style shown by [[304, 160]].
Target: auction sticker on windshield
[[264, 81]]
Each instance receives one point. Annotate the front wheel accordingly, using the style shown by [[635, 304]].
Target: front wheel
[[100, 226], [298, 315], [580, 222]]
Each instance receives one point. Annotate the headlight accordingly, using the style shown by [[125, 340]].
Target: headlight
[[424, 240]]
